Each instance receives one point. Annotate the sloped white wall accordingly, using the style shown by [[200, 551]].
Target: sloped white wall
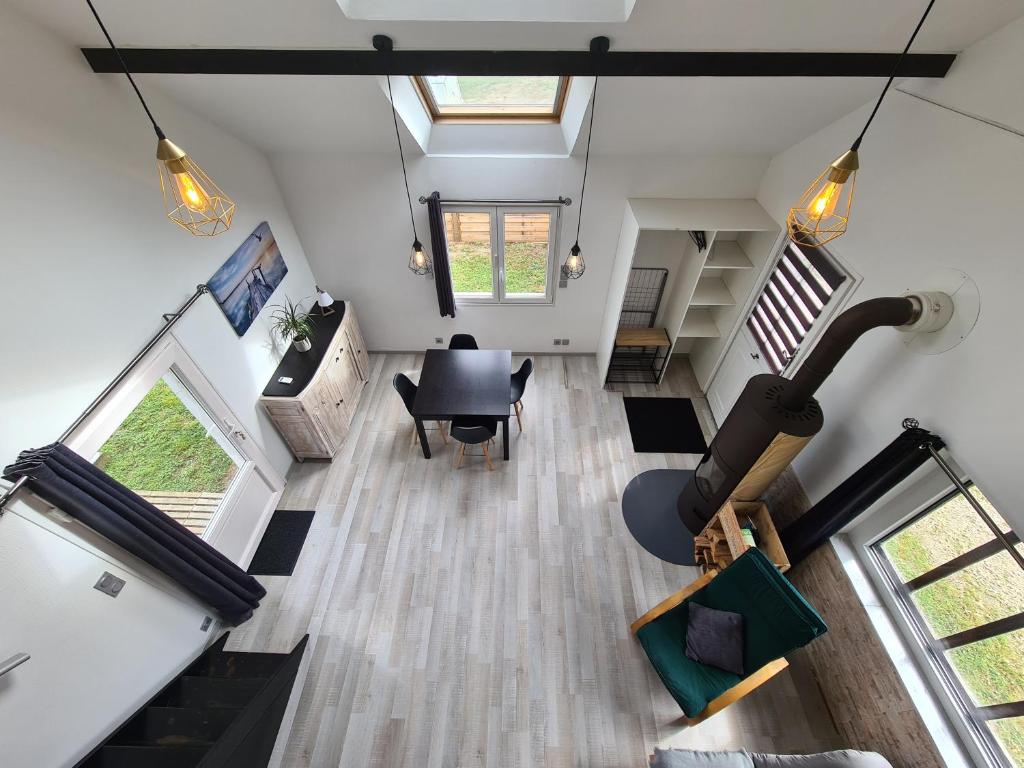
[[936, 189]]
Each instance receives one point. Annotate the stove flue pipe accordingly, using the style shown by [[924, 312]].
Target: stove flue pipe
[[839, 337]]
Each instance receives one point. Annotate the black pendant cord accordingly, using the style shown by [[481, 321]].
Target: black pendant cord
[[586, 161], [145, 106], [895, 71], [398, 137]]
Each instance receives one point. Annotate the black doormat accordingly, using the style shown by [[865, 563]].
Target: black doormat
[[281, 543], [663, 425]]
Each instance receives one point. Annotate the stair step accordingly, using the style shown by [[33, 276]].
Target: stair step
[[175, 726], [210, 693], [147, 757], [237, 665]]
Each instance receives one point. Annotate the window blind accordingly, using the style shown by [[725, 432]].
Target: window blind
[[797, 291]]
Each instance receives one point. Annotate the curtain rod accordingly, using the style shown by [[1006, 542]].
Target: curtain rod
[[169, 320], [560, 201]]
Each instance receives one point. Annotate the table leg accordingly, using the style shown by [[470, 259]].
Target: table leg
[[504, 437], [423, 438]]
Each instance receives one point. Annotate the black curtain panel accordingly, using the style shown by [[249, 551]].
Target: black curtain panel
[[439, 246], [63, 478], [859, 491]]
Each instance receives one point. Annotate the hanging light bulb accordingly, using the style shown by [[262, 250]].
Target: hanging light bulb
[[823, 211], [574, 265], [419, 262], [192, 199]]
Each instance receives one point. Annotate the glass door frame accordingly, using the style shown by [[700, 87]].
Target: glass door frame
[[170, 357]]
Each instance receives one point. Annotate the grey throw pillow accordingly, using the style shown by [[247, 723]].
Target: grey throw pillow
[[688, 758], [715, 638], [843, 758]]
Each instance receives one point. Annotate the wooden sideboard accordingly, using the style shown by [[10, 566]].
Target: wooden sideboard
[[313, 412]]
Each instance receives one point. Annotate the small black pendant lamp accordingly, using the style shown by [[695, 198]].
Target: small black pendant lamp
[[419, 262], [574, 265], [192, 199], [823, 210]]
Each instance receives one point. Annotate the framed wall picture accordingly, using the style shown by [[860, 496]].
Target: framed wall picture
[[247, 279]]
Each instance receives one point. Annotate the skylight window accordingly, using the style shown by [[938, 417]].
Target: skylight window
[[497, 99]]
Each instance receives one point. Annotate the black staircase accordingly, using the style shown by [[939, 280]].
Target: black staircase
[[224, 711]]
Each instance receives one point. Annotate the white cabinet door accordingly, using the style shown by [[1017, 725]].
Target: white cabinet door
[[742, 361]]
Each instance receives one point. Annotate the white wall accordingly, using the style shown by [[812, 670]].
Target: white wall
[[352, 216], [89, 265], [936, 189], [90, 261]]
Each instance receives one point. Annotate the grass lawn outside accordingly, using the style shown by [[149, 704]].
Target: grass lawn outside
[[526, 267], [991, 670], [161, 446], [529, 91]]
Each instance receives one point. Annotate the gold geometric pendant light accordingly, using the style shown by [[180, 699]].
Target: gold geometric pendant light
[[192, 199], [823, 211]]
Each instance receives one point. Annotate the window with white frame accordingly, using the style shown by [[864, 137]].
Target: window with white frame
[[961, 598], [502, 254], [799, 288]]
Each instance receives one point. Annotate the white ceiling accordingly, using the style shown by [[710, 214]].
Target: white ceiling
[[685, 116]]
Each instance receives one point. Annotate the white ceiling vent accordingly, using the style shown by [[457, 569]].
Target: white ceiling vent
[[488, 10]]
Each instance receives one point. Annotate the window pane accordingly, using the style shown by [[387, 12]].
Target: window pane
[[503, 92], [991, 670], [986, 591], [937, 537], [527, 238], [1010, 734], [469, 252], [170, 451]]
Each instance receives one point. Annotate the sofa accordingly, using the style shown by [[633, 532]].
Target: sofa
[[687, 758]]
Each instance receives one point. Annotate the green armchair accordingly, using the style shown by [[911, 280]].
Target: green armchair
[[777, 620]]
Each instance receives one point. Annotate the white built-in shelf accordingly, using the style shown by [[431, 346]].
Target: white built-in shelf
[[711, 292], [727, 254], [699, 324]]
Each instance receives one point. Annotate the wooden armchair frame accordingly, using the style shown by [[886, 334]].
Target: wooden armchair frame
[[738, 691]]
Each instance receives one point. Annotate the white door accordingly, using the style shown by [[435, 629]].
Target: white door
[[166, 434], [742, 361]]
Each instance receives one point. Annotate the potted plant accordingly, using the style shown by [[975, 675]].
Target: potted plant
[[292, 323]]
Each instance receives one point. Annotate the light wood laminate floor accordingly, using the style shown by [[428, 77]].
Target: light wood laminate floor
[[475, 618]]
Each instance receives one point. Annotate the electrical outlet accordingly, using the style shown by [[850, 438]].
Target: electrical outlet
[[565, 342], [205, 626], [557, 342], [439, 340], [109, 584]]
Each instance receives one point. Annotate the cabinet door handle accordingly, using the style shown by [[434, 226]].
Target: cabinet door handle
[[337, 359], [339, 402], [754, 356]]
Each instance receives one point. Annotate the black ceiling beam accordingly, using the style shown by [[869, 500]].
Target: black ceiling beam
[[237, 61]]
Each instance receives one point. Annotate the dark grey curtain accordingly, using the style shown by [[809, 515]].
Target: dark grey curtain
[[66, 480], [439, 245], [856, 493]]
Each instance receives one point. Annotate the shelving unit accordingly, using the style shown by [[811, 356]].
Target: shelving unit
[[706, 290], [639, 356], [699, 324], [721, 541]]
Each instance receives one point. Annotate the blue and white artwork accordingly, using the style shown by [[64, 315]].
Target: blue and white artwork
[[245, 281]]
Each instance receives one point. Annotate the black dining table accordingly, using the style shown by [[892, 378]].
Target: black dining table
[[464, 382]]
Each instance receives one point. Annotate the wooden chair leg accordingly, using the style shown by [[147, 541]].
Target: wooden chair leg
[[745, 686], [444, 437], [460, 456], [487, 457], [519, 414], [415, 435]]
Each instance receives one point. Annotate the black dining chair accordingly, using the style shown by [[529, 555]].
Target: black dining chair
[[519, 387], [474, 430], [462, 341], [407, 391]]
